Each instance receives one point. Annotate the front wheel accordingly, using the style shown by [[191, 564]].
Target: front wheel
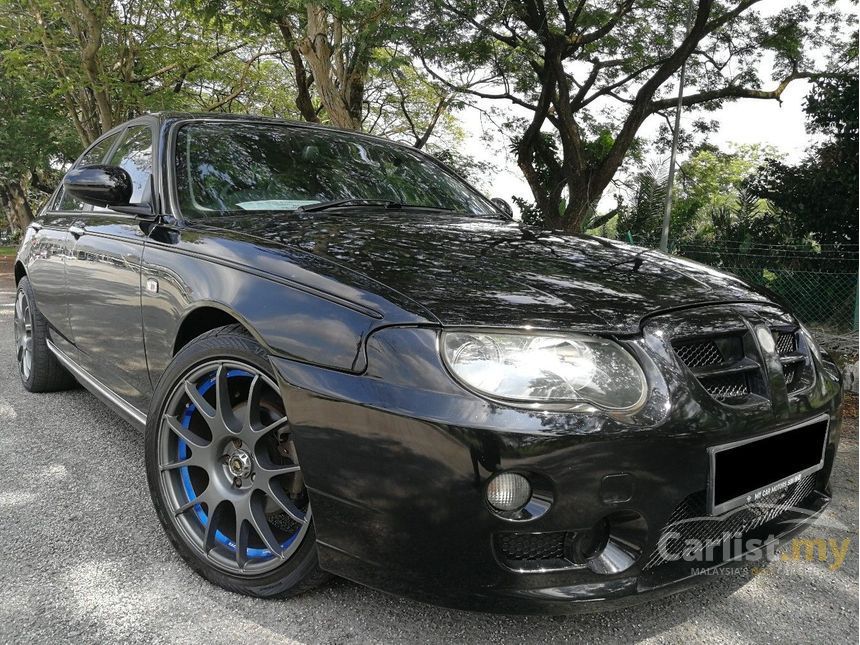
[[223, 470]]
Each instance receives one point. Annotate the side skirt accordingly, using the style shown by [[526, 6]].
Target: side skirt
[[107, 396]]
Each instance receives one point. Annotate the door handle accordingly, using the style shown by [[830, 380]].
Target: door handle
[[76, 231]]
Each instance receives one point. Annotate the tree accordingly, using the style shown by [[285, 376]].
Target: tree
[[110, 60], [35, 137], [349, 66], [591, 73], [713, 201], [820, 192]]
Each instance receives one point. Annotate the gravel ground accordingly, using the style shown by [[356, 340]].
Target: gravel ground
[[85, 560]]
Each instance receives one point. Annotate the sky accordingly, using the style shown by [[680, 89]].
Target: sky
[[769, 122]]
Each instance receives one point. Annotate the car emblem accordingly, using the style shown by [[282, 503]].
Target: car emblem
[[765, 340]]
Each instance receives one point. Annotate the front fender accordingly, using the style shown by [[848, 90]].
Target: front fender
[[288, 321]]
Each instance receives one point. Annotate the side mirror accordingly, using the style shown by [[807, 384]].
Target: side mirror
[[105, 186], [503, 206]]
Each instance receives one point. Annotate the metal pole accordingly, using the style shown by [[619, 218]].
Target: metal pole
[[667, 209]]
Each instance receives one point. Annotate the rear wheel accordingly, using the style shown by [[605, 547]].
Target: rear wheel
[[223, 469], [39, 369]]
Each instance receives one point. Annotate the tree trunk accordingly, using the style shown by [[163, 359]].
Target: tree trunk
[[578, 212], [317, 51], [304, 102], [16, 207], [87, 25]]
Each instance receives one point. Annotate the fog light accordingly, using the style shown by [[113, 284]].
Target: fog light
[[508, 492]]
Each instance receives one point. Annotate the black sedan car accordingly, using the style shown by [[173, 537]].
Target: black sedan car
[[348, 361]]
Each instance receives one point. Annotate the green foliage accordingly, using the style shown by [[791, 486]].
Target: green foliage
[[644, 216], [711, 201], [585, 77], [348, 64], [34, 134], [790, 228], [71, 69], [819, 194]]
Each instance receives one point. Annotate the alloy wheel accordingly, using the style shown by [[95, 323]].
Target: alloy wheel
[[229, 469], [23, 334]]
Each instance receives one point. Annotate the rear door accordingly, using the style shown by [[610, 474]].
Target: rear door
[[103, 279]]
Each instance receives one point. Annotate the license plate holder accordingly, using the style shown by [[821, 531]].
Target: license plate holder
[[741, 473]]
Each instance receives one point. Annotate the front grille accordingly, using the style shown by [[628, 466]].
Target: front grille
[[689, 521], [727, 388], [723, 365], [796, 366], [699, 354], [727, 358], [786, 342]]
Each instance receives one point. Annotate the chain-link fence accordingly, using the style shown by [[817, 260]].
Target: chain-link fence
[[819, 282]]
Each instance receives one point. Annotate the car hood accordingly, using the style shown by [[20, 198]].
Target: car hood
[[490, 272]]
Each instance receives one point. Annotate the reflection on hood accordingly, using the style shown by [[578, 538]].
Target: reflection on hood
[[481, 271]]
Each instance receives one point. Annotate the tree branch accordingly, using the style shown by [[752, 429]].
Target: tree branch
[[440, 109], [625, 7], [469, 89], [304, 103], [735, 92], [173, 66], [512, 40], [640, 109], [719, 21]]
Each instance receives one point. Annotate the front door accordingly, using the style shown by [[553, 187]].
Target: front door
[[103, 278], [50, 251]]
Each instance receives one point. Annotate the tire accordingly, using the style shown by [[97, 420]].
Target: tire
[[228, 441], [39, 369]]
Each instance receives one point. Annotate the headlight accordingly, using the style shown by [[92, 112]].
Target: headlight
[[548, 368]]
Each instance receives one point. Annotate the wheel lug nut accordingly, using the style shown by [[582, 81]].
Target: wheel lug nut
[[237, 482], [237, 443]]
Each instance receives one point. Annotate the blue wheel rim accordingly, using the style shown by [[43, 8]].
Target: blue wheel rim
[[188, 486]]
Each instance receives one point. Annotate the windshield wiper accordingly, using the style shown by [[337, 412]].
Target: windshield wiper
[[351, 201], [359, 201]]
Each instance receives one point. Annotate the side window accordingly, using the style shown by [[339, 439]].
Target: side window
[[134, 155], [97, 153], [94, 155]]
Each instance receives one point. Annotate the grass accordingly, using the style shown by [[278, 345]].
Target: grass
[[7, 251]]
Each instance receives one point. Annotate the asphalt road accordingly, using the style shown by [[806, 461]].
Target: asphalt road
[[84, 560]]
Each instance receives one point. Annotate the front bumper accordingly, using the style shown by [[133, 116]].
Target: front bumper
[[396, 460]]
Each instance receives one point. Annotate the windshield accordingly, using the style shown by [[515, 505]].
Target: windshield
[[233, 168]]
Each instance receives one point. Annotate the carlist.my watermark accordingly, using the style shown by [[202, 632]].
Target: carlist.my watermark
[[681, 543]]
